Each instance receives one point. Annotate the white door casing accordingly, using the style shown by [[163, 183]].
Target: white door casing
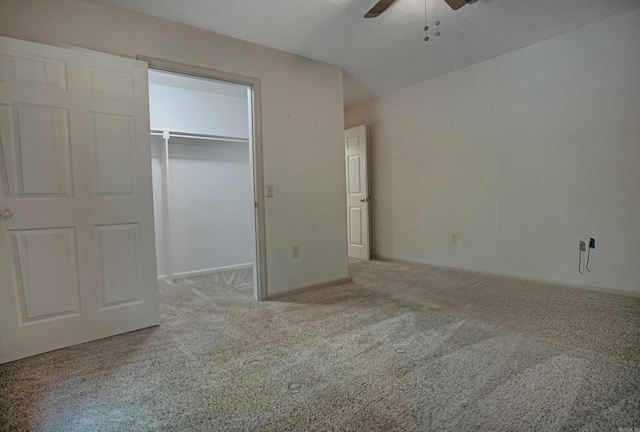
[[255, 138], [358, 199], [77, 259]]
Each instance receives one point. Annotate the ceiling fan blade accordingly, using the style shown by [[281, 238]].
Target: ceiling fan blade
[[457, 4], [380, 7]]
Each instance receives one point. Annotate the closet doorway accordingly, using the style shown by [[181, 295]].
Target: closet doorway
[[205, 188]]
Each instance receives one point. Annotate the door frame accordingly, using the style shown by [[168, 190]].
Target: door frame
[[256, 138]]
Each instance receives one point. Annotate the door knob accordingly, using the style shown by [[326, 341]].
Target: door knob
[[363, 199], [6, 214]]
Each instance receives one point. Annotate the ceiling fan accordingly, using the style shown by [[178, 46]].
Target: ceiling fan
[[383, 5]]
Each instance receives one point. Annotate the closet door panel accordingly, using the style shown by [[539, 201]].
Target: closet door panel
[[115, 157]]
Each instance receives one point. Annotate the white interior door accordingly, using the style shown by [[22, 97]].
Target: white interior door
[[358, 199], [77, 249]]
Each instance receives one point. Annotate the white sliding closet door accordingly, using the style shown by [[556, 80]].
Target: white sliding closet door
[[77, 259]]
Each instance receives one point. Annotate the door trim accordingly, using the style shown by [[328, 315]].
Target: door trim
[[258, 170]]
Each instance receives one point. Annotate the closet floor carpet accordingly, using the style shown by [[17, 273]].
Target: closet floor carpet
[[401, 348]]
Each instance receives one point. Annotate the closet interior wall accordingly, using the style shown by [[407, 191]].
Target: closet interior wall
[[202, 176]]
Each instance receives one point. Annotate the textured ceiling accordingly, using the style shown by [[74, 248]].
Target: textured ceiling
[[383, 54]]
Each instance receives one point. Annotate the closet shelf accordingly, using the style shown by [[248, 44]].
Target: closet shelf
[[174, 134]]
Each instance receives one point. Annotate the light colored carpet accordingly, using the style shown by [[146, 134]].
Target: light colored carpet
[[402, 348]]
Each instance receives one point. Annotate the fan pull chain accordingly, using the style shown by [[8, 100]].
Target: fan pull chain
[[437, 33], [426, 23]]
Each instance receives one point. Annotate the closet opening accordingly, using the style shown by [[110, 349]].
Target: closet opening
[[205, 189]]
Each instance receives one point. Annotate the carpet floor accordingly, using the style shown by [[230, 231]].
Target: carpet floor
[[401, 348]]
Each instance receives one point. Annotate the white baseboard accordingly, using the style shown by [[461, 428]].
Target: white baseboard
[[604, 290], [308, 288], [208, 271]]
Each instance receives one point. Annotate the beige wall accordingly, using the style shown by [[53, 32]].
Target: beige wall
[[522, 156], [302, 120]]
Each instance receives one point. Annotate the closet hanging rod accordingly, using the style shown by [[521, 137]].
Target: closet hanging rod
[[157, 132]]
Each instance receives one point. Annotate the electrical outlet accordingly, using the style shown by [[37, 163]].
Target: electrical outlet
[[269, 191], [454, 238], [295, 251]]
